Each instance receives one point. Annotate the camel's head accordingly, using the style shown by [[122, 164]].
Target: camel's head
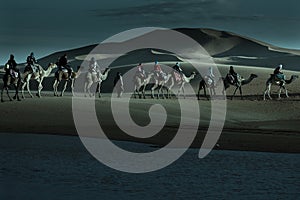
[[193, 74], [294, 77], [253, 76], [52, 65], [106, 70]]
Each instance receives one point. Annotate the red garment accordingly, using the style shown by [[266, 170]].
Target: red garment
[[157, 68]]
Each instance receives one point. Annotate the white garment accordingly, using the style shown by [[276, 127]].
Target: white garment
[[94, 67], [210, 73]]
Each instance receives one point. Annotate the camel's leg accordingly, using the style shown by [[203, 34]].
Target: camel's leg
[[144, 90], [7, 92], [183, 92], [286, 92], [152, 90], [2, 100], [241, 92], [72, 86], [28, 85], [279, 93], [134, 92], [88, 88], [85, 89], [99, 89], [22, 89], [17, 92], [267, 91], [199, 89], [40, 87], [234, 92], [28, 89], [140, 92], [55, 86], [160, 92], [170, 88], [64, 88], [205, 93]]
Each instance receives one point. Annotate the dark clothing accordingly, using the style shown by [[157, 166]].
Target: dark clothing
[[177, 68], [232, 72], [62, 61], [31, 60], [12, 65], [277, 71]]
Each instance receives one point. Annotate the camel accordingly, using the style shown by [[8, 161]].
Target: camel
[[159, 84], [39, 77], [10, 80], [207, 83], [227, 82], [64, 75], [92, 78], [140, 85], [272, 81], [180, 84]]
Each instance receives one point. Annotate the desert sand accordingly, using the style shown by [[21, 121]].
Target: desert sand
[[251, 124]]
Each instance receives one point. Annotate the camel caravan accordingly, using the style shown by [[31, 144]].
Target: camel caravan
[[157, 81]]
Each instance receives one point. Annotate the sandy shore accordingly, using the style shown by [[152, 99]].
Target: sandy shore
[[271, 126]]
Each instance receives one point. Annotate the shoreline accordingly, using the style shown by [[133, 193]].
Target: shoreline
[[230, 139]]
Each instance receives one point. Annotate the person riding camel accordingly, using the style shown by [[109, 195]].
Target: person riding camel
[[158, 72], [31, 65], [210, 77], [11, 69], [94, 68], [31, 62], [233, 76], [140, 72], [178, 72], [63, 64], [279, 74]]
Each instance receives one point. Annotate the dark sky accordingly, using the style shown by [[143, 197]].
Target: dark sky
[[49, 26]]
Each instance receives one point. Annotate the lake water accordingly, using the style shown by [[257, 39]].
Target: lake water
[[59, 167]]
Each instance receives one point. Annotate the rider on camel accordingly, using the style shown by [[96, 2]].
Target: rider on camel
[[11, 68], [234, 75], [31, 62], [63, 64], [279, 74], [158, 71], [178, 70], [210, 77], [31, 65], [140, 72], [94, 68]]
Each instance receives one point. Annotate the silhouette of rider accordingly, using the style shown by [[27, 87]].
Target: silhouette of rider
[[11, 69], [233, 74], [63, 64], [31, 65]]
